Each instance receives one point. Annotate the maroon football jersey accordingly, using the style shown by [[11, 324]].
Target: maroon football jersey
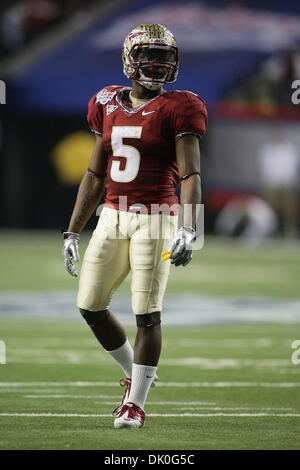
[[140, 142]]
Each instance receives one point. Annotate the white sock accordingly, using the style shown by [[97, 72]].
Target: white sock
[[124, 357], [141, 380]]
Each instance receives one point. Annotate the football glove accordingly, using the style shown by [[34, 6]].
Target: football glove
[[181, 246], [70, 251]]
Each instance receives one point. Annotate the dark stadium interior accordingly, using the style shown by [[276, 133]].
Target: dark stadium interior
[[51, 69]]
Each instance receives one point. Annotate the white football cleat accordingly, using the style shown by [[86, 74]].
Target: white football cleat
[[129, 416]]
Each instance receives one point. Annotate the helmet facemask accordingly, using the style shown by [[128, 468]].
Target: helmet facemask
[[153, 64]]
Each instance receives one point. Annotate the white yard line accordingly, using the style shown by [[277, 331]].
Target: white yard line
[[188, 405], [66, 395], [201, 362], [223, 408], [162, 415], [185, 405], [230, 343], [195, 403], [159, 384], [209, 363]]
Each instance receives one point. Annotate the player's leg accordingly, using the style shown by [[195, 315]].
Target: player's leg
[[105, 265], [149, 280], [148, 339], [112, 336]]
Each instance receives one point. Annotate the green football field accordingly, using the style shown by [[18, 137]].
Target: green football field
[[32, 261], [221, 386]]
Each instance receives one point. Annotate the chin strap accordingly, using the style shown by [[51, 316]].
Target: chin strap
[[147, 84], [151, 86]]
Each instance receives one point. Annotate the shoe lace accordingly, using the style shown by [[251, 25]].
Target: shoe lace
[[133, 411], [124, 383]]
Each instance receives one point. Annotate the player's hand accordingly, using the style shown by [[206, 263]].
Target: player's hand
[[70, 251], [181, 246]]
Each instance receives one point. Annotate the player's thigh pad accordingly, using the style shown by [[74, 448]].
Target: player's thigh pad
[[105, 264], [149, 272]]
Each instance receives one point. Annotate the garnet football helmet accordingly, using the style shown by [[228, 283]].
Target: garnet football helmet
[[150, 55]]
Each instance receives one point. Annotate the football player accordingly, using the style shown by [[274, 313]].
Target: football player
[[146, 143]]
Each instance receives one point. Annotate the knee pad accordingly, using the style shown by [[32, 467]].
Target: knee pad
[[148, 320], [94, 318]]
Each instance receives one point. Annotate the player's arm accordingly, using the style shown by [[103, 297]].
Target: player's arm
[[91, 188], [89, 193], [188, 162]]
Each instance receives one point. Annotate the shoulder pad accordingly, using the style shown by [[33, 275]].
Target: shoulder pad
[[184, 95]]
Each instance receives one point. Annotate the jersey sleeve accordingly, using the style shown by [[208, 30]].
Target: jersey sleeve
[[189, 115], [95, 116]]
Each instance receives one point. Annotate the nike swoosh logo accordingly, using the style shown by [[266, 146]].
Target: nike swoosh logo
[[144, 113]]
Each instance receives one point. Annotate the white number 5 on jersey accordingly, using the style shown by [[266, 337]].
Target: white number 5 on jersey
[[132, 155]]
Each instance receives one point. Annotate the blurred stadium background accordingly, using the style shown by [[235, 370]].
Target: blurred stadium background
[[243, 59]]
